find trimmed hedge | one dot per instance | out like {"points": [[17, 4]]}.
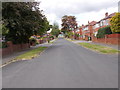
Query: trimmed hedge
{"points": [[103, 31]]}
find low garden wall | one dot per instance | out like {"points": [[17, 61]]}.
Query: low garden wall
{"points": [[109, 39], [14, 48]]}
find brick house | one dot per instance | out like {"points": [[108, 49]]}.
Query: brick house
{"points": [[86, 31], [90, 28], [102, 23]]}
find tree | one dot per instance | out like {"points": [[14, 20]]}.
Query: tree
{"points": [[55, 30], [69, 34], [115, 23], [69, 23], [23, 22]]}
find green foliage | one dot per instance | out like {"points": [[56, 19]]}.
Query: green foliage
{"points": [[52, 37], [115, 23], [69, 23], [3, 45], [55, 30], [69, 34], [99, 48], [23, 22], [4, 30], [33, 40], [77, 35], [30, 54], [103, 31]]}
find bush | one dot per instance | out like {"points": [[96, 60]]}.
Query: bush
{"points": [[52, 37], [4, 45], [69, 34], [77, 35], [103, 31], [33, 40]]}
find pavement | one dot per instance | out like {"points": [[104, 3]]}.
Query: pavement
{"points": [[9, 57], [63, 65]]}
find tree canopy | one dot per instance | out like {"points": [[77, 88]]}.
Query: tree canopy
{"points": [[23, 19], [69, 23], [115, 23], [55, 29]]}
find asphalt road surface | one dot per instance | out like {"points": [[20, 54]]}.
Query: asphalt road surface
{"points": [[63, 65]]}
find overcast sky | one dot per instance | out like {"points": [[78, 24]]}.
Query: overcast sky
{"points": [[83, 10]]}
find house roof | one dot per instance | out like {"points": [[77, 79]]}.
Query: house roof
{"points": [[83, 26], [109, 16], [92, 23]]}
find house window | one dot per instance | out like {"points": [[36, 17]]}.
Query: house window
{"points": [[95, 34], [94, 27], [101, 23], [86, 28], [97, 25], [107, 22]]}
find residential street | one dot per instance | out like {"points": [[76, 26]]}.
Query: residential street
{"points": [[63, 65]]}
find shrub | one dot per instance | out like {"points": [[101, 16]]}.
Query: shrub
{"points": [[69, 34], [33, 40], [4, 45], [77, 35], [103, 31], [52, 37]]}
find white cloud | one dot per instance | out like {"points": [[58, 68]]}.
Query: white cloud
{"points": [[83, 18], [84, 10]]}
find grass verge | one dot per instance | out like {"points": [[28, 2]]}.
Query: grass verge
{"points": [[30, 54], [69, 39], [99, 48], [52, 41]]}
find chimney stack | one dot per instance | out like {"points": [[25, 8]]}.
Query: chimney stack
{"points": [[106, 14], [88, 22]]}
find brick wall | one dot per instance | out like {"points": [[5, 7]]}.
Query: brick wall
{"points": [[13, 48], [109, 39], [113, 36]]}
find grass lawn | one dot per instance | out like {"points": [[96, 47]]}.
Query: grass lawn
{"points": [[30, 54], [99, 48]]}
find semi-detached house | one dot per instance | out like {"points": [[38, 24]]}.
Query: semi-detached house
{"points": [[91, 29], [102, 23]]}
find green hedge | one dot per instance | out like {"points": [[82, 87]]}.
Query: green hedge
{"points": [[103, 31], [3, 45]]}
